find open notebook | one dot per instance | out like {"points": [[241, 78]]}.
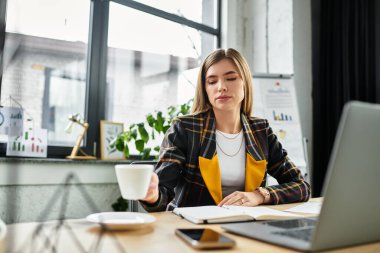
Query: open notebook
{"points": [[216, 214]]}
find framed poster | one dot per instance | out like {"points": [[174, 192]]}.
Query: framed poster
{"points": [[32, 143], [108, 132]]}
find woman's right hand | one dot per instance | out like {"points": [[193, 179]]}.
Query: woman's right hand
{"points": [[153, 192]]}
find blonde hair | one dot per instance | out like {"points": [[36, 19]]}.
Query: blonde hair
{"points": [[201, 102]]}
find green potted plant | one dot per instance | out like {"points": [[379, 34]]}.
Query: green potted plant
{"points": [[141, 134]]}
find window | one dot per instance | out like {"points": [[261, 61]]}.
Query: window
{"points": [[102, 59], [201, 11], [156, 65], [45, 56]]}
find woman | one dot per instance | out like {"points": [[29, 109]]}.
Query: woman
{"points": [[220, 155]]}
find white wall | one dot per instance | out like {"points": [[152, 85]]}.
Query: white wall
{"points": [[26, 203], [289, 47], [28, 185], [263, 31], [303, 68]]}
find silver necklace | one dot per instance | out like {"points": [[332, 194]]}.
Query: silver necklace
{"points": [[241, 144], [230, 138]]}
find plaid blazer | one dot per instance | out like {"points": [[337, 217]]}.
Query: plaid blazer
{"points": [[188, 167]]}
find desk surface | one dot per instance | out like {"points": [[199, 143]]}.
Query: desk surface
{"points": [[156, 238]]}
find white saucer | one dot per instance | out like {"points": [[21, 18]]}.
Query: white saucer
{"points": [[121, 220]]}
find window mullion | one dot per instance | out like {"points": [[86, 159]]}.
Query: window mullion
{"points": [[96, 71], [219, 22], [3, 6], [169, 16]]}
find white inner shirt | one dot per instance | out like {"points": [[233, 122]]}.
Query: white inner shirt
{"points": [[232, 169]]}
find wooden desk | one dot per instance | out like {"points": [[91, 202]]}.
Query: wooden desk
{"points": [[156, 238]]}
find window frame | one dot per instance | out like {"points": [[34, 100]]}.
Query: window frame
{"points": [[97, 64], [3, 7]]}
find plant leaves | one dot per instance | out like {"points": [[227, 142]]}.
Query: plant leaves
{"points": [[120, 143], [152, 135], [143, 133], [165, 128], [171, 111], [140, 145], [121, 205], [150, 119], [160, 122], [133, 134], [146, 153], [154, 124], [185, 109], [126, 150], [127, 136]]}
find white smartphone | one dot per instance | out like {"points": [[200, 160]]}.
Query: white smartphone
{"points": [[204, 238]]}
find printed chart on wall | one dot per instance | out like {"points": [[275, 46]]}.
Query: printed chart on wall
{"points": [[32, 143], [275, 100], [11, 121]]}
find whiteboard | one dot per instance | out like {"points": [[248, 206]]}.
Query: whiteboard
{"points": [[275, 100]]}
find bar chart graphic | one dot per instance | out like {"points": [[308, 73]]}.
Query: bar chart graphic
{"points": [[18, 145], [280, 116], [32, 143]]}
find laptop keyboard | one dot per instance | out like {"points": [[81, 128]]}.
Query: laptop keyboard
{"points": [[298, 228], [289, 224], [301, 234]]}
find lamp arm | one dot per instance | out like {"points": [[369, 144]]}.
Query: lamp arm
{"points": [[75, 150]]}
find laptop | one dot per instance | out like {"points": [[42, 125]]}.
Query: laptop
{"points": [[350, 213]]}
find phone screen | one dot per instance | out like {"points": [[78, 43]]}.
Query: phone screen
{"points": [[205, 238]]}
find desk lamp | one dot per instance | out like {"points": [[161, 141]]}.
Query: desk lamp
{"points": [[74, 153]]}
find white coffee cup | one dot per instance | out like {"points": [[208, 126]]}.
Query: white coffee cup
{"points": [[133, 179]]}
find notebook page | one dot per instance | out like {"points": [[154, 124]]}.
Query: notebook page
{"points": [[308, 207], [205, 212], [258, 211]]}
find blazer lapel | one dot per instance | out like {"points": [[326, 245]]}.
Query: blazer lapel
{"points": [[211, 175], [255, 166], [254, 173], [208, 161], [251, 144], [208, 145]]}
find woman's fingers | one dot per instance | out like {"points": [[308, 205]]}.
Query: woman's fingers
{"points": [[153, 182], [232, 199], [224, 201], [152, 193], [240, 199]]}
